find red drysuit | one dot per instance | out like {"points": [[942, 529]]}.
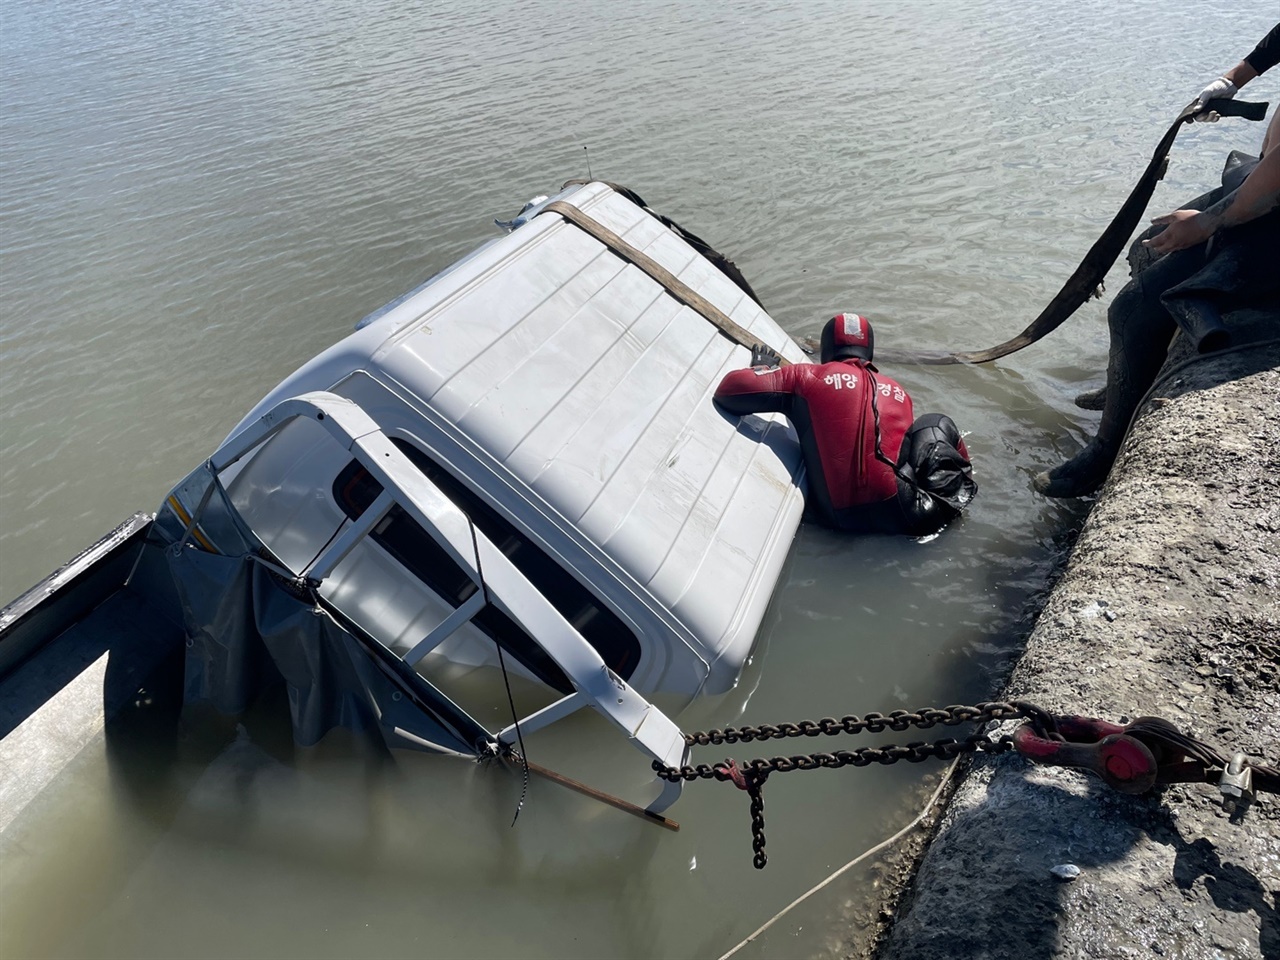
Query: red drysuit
{"points": [[830, 406]]}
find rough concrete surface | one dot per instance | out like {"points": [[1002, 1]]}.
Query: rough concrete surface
{"points": [[1169, 606]]}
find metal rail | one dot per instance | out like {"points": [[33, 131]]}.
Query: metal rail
{"points": [[497, 579]]}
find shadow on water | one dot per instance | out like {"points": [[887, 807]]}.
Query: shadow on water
{"points": [[212, 781], [349, 813]]}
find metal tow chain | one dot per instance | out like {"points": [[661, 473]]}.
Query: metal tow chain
{"points": [[752, 775], [1131, 758]]}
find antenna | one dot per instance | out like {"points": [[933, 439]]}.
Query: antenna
{"points": [[587, 154]]}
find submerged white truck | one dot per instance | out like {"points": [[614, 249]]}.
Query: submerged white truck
{"points": [[515, 470]]}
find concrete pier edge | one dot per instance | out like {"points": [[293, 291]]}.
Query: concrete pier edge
{"points": [[1169, 606]]}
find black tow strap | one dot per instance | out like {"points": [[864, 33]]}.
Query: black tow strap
{"points": [[1093, 268]]}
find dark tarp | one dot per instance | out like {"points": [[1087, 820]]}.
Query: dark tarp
{"points": [[247, 630]]}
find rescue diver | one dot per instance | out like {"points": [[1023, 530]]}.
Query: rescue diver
{"points": [[1216, 254], [871, 468]]}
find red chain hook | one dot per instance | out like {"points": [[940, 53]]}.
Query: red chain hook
{"points": [[1122, 755]]}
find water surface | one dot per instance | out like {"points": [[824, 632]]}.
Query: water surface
{"points": [[196, 198]]}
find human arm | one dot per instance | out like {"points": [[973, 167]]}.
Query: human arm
{"points": [[1237, 77], [1258, 195], [1262, 58], [756, 390]]}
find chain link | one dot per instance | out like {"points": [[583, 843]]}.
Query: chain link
{"points": [[1207, 762], [755, 782], [897, 720], [752, 775]]}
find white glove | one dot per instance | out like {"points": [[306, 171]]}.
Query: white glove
{"points": [[1220, 89]]}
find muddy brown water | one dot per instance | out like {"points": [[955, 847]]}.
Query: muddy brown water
{"points": [[197, 198]]}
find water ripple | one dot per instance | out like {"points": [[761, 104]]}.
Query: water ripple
{"points": [[197, 198]]}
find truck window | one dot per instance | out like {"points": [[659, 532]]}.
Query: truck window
{"points": [[401, 536]]}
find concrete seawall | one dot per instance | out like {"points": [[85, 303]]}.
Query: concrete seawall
{"points": [[1169, 606]]}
